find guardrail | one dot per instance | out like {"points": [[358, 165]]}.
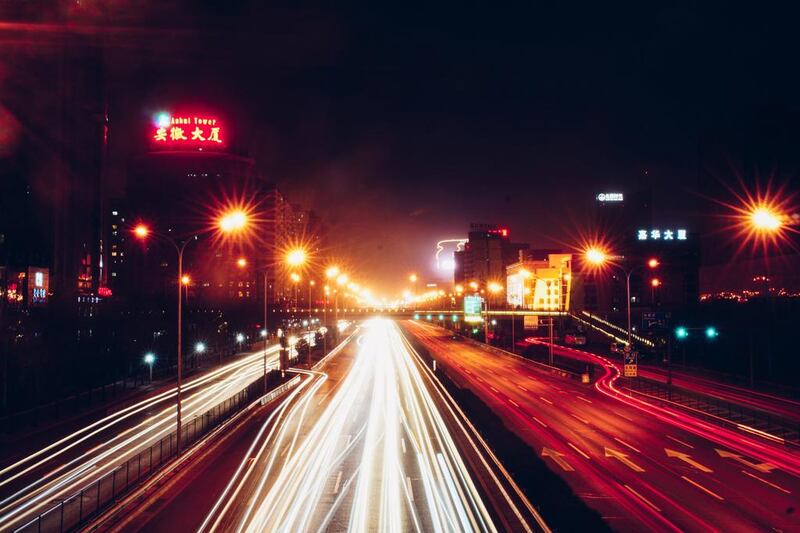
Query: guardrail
{"points": [[69, 513], [753, 421]]}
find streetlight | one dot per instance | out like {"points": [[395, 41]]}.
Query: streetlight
{"points": [[240, 338], [413, 279], [341, 280], [295, 277], [597, 257], [311, 284], [296, 257], [765, 219], [149, 359], [228, 222], [232, 221], [494, 288], [332, 272], [242, 263], [200, 347]]}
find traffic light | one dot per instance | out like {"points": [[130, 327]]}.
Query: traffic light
{"points": [[416, 316], [681, 332], [653, 262], [711, 332]]}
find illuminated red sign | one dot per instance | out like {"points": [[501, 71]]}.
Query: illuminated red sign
{"points": [[195, 131]]}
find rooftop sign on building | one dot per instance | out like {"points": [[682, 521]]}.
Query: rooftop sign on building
{"points": [[610, 197], [188, 131]]}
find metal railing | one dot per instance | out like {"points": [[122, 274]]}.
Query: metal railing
{"points": [[71, 512], [714, 409]]}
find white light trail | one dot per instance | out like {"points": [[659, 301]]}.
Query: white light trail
{"points": [[382, 401], [116, 438]]}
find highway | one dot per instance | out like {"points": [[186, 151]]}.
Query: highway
{"points": [[786, 408], [641, 467], [367, 442], [30, 482]]}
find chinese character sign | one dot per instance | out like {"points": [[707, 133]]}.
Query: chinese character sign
{"points": [[187, 131], [656, 234]]}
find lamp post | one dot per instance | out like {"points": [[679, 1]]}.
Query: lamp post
{"points": [[143, 232], [598, 257], [149, 359], [311, 284], [242, 263], [492, 288], [332, 272], [413, 279], [229, 222], [200, 348], [341, 281]]}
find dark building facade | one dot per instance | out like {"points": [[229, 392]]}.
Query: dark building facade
{"points": [[629, 231], [486, 255]]}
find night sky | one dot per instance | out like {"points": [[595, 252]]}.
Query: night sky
{"points": [[401, 126]]}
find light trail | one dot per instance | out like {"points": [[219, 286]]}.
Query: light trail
{"points": [[717, 433], [74, 461], [381, 402]]}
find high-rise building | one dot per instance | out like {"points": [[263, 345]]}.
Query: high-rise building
{"points": [[486, 255]]}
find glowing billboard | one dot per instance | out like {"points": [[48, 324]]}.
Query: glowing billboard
{"points": [[473, 305], [187, 131]]}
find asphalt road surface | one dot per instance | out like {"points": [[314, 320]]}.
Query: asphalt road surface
{"points": [[643, 468], [366, 442]]}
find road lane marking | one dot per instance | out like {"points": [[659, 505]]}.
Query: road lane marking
{"points": [[584, 399], [645, 500], [522, 388], [680, 442], [579, 418], [410, 489], [495, 390], [761, 467], [686, 458], [767, 482], [707, 491], [629, 419], [622, 458], [338, 482], [545, 400], [403, 442], [578, 450], [512, 402], [557, 458], [628, 445], [539, 421]]}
